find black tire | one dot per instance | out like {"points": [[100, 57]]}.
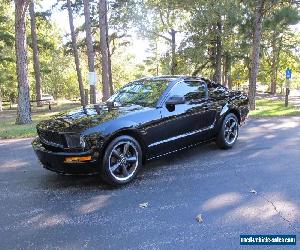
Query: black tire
{"points": [[119, 165], [229, 131]]}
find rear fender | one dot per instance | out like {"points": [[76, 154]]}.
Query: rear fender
{"points": [[227, 108]]}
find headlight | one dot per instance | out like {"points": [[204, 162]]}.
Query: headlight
{"points": [[73, 140], [93, 140]]}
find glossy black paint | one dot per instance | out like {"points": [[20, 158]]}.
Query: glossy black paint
{"points": [[160, 129]]}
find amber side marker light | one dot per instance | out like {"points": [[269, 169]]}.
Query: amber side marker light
{"points": [[78, 159]]}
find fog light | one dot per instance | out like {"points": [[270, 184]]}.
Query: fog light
{"points": [[78, 159]]}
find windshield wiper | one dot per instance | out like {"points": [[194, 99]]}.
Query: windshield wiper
{"points": [[141, 103]]}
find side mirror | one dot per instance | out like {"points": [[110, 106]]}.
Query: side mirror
{"points": [[174, 100]]}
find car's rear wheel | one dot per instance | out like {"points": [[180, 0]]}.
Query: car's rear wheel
{"points": [[229, 132], [121, 161]]}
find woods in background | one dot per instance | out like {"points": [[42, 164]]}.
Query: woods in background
{"points": [[232, 42]]}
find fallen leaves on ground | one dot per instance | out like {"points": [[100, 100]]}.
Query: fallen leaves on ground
{"points": [[143, 205], [199, 218]]}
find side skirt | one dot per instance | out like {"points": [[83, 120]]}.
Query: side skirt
{"points": [[183, 148]]}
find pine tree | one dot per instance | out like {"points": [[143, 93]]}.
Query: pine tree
{"points": [[36, 62], [75, 52], [24, 112]]}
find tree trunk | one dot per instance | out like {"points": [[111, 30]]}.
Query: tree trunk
{"points": [[218, 57], [104, 48], [1, 104], [212, 57], [224, 83], [75, 52], [90, 49], [255, 52], [156, 58], [36, 62], [229, 79], [111, 86], [273, 73], [227, 71], [276, 47], [24, 112], [173, 59]]}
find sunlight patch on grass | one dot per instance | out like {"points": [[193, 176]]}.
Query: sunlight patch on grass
{"points": [[271, 108]]}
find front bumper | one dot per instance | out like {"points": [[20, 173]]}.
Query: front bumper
{"points": [[244, 115], [55, 161]]}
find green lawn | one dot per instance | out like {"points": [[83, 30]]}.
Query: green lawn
{"points": [[9, 130], [271, 108]]}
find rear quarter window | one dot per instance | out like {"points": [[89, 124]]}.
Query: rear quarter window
{"points": [[217, 92]]}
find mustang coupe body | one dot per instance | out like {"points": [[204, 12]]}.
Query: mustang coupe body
{"points": [[145, 119]]}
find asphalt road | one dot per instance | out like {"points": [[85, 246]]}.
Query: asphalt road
{"points": [[43, 210]]}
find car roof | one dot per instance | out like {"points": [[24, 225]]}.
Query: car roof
{"points": [[176, 78], [166, 77]]}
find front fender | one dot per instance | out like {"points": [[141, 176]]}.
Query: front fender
{"points": [[130, 131]]}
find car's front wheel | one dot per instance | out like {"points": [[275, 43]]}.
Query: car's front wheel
{"points": [[121, 161], [229, 132]]}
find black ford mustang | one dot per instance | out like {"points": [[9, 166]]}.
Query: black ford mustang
{"points": [[146, 119]]}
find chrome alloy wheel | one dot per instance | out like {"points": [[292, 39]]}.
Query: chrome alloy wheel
{"points": [[123, 160], [231, 130]]}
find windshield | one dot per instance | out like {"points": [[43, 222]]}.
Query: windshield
{"points": [[145, 93]]}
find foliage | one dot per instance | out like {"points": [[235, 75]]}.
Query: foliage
{"points": [[195, 23], [8, 81]]}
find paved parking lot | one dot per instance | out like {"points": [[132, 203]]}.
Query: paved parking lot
{"points": [[43, 210]]}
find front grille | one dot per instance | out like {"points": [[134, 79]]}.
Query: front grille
{"points": [[50, 137]]}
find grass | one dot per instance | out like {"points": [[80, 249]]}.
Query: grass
{"points": [[9, 130], [273, 108]]}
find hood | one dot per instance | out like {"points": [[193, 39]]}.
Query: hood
{"points": [[82, 118]]}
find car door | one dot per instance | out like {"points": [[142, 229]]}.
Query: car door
{"points": [[189, 122]]}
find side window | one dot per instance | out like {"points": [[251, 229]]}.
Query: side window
{"points": [[192, 91]]}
